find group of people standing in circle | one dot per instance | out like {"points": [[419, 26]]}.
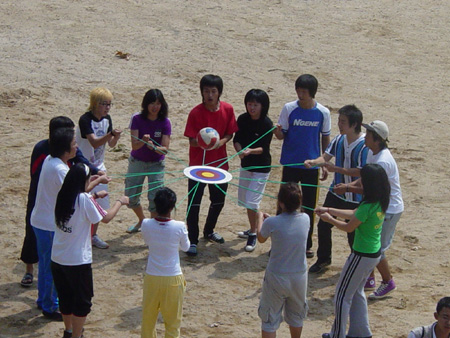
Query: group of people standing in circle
{"points": [[364, 200]]}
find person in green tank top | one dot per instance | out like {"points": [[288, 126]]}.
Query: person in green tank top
{"points": [[366, 221]]}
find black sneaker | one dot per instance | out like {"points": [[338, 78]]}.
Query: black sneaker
{"points": [[215, 237], [67, 334], [251, 243], [319, 266], [243, 234], [56, 316]]}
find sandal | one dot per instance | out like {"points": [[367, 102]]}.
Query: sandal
{"points": [[134, 228], [27, 280]]}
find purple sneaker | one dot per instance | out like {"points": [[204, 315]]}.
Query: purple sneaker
{"points": [[370, 284], [383, 290]]}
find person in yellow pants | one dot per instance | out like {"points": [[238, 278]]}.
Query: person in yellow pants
{"points": [[164, 283]]}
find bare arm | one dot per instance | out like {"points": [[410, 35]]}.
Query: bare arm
{"points": [[164, 147], [278, 132], [326, 139], [353, 172], [115, 137], [259, 221], [354, 187], [123, 200], [224, 140], [136, 143], [193, 142], [96, 180], [111, 138], [318, 161], [349, 226]]}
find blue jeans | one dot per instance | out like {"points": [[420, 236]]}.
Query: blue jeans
{"points": [[47, 295]]}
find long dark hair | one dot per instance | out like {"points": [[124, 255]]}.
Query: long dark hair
{"points": [[151, 96], [74, 184], [376, 185], [291, 196]]}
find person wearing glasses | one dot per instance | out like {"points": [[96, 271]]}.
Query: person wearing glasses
{"points": [[94, 131]]}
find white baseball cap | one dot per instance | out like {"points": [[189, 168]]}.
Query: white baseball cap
{"points": [[378, 127]]}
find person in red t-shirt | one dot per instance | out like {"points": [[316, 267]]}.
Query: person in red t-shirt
{"points": [[218, 115]]}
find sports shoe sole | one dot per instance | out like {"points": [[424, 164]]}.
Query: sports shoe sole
{"points": [[372, 296]]}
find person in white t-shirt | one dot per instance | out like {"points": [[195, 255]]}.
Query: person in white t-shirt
{"points": [[71, 255], [95, 130], [164, 283], [63, 147], [376, 140]]}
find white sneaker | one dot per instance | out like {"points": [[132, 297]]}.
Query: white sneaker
{"points": [[99, 243], [251, 243]]}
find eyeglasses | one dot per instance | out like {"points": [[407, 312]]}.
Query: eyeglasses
{"points": [[106, 104]]}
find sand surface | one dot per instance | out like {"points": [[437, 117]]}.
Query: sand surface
{"points": [[390, 58]]}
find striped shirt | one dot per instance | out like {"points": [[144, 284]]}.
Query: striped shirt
{"points": [[347, 156]]}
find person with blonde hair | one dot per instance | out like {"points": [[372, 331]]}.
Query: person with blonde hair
{"points": [[94, 131]]}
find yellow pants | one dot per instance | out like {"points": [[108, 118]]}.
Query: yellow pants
{"points": [[162, 294]]}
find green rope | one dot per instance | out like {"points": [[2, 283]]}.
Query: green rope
{"points": [[233, 156], [192, 200], [166, 153], [145, 174]]}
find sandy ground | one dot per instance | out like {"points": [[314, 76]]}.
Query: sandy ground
{"points": [[390, 58]]}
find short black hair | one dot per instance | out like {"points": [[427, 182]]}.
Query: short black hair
{"points": [[165, 200], [211, 80], [443, 302], [260, 96], [290, 195], [354, 115], [309, 82], [61, 141], [60, 122], [151, 96]]}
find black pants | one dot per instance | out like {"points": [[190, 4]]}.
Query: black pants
{"points": [[29, 253], [310, 193], [75, 288], [217, 198], [324, 228]]}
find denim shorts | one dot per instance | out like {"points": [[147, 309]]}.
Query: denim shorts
{"points": [[388, 230]]}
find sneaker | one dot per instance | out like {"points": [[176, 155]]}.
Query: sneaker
{"points": [[309, 253], [243, 234], [99, 243], [319, 266], [326, 335], [56, 316], [370, 284], [251, 243], [67, 334], [192, 251], [383, 290], [215, 237]]}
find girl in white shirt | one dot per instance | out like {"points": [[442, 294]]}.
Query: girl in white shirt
{"points": [[164, 283], [71, 257]]}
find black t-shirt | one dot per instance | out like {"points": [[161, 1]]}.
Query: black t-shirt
{"points": [[249, 131]]}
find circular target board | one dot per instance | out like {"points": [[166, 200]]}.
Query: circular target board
{"points": [[208, 175]]}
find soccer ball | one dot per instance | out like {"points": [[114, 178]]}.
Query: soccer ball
{"points": [[208, 138]]}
